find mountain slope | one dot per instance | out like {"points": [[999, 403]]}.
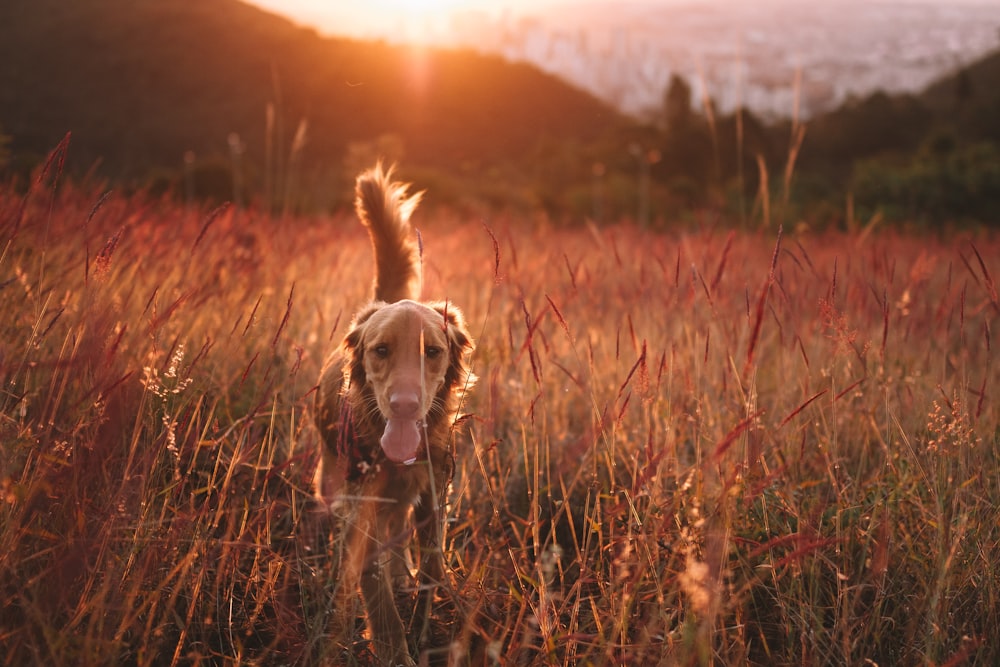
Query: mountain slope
{"points": [[139, 82], [970, 99]]}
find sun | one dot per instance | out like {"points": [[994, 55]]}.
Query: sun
{"points": [[423, 18], [416, 21], [425, 8]]}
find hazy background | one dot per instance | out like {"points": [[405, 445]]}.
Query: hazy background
{"points": [[656, 111], [752, 52]]}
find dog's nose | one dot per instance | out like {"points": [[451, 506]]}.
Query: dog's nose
{"points": [[404, 405]]}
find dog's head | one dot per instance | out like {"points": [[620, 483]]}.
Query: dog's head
{"points": [[410, 356]]}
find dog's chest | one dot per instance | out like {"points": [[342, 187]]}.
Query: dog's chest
{"points": [[395, 483]]}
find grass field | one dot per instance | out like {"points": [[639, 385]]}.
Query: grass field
{"points": [[701, 447]]}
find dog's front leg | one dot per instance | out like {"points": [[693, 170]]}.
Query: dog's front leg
{"points": [[429, 527], [430, 559], [386, 625], [399, 535], [362, 563], [373, 548]]}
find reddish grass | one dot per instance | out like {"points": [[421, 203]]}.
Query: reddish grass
{"points": [[702, 447]]}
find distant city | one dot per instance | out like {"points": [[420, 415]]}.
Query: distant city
{"points": [[776, 57]]}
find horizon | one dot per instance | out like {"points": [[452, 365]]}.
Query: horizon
{"points": [[779, 57], [432, 22]]}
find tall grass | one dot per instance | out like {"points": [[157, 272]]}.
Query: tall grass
{"points": [[686, 449]]}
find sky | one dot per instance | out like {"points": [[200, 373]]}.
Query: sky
{"points": [[625, 53], [373, 18], [429, 20], [417, 20]]}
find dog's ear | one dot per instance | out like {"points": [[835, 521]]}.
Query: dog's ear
{"points": [[455, 328], [353, 345], [459, 343]]}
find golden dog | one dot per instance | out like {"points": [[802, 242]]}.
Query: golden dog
{"points": [[387, 403]]}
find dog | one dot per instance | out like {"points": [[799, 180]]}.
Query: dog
{"points": [[386, 406]]}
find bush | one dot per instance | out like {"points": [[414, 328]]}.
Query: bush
{"points": [[944, 183]]}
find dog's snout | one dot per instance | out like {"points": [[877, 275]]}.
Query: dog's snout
{"points": [[404, 405]]}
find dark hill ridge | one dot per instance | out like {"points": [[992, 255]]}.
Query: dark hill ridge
{"points": [[970, 98], [139, 82]]}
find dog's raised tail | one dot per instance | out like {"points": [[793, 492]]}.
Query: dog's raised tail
{"points": [[384, 207]]}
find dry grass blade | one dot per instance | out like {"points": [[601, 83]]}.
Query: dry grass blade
{"points": [[651, 500]]}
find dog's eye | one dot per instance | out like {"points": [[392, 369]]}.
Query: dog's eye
{"points": [[381, 351], [432, 351]]}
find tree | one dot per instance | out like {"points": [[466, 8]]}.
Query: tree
{"points": [[685, 160], [677, 112]]}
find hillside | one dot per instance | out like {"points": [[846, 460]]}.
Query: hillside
{"points": [[140, 82], [965, 103], [970, 99]]}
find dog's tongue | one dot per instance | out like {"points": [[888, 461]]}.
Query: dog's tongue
{"points": [[401, 440]]}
